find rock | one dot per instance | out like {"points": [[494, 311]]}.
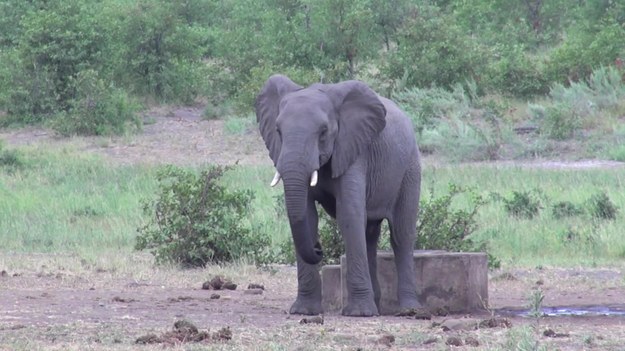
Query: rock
{"points": [[312, 320], [184, 326], [253, 292], [215, 296], [386, 339], [223, 334], [552, 334], [459, 324], [256, 286], [471, 341], [454, 341], [495, 322], [430, 340]]}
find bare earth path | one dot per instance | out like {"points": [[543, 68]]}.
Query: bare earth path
{"points": [[64, 303]]}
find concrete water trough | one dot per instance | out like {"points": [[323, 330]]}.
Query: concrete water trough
{"points": [[456, 282]]}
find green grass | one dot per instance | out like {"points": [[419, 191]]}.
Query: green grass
{"points": [[68, 201]]}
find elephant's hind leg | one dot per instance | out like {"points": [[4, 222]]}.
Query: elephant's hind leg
{"points": [[403, 233]]}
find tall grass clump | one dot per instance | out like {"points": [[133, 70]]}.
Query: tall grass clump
{"points": [[595, 100], [454, 123]]}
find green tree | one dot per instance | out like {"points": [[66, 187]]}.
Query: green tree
{"points": [[58, 41], [433, 50]]}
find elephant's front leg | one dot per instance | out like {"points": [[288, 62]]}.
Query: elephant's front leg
{"points": [[308, 299], [350, 215]]}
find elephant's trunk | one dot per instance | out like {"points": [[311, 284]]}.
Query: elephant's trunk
{"points": [[296, 185]]}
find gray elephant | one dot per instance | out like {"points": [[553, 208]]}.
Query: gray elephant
{"points": [[355, 153]]}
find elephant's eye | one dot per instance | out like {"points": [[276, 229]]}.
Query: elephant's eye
{"points": [[323, 131], [279, 132]]}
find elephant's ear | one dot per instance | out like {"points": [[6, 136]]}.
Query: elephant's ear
{"points": [[362, 116], [267, 109]]}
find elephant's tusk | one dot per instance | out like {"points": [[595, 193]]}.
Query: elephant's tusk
{"points": [[313, 179], [276, 179]]}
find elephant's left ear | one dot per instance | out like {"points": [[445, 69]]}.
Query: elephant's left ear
{"points": [[362, 116]]}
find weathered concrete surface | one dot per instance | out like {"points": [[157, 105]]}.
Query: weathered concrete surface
{"points": [[455, 282], [330, 288]]}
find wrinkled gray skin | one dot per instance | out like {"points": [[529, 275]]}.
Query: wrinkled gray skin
{"points": [[364, 149]]}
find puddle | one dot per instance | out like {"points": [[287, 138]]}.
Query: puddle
{"points": [[569, 311]]}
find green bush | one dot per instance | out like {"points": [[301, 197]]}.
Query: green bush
{"points": [[59, 40], [600, 206], [523, 204], [565, 209], [432, 50], [195, 221], [98, 109], [516, 74], [560, 122], [163, 52], [10, 160]]}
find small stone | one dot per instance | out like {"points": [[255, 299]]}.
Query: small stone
{"points": [[459, 324], [229, 286], [223, 334], [312, 320], [386, 339], [148, 339], [430, 340], [256, 286], [540, 282], [184, 326], [495, 322], [454, 341], [552, 334], [471, 341], [416, 313], [253, 292], [4, 273], [215, 296]]}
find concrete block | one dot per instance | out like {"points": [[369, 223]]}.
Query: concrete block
{"points": [[456, 282], [330, 288]]}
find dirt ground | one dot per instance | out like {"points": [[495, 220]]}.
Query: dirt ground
{"points": [[67, 304]]}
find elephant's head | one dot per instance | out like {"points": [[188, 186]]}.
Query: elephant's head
{"points": [[307, 128]]}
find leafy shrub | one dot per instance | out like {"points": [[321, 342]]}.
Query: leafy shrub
{"points": [[585, 48], [59, 40], [163, 54], [440, 227], [330, 238], [432, 50], [523, 204], [516, 74], [565, 209], [195, 221], [560, 122], [600, 206], [99, 109], [10, 160]]}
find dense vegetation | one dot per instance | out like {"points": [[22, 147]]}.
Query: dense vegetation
{"points": [[82, 65]]}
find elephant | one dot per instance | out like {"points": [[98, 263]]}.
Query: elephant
{"points": [[354, 153]]}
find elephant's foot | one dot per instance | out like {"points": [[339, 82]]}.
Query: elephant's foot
{"points": [[360, 308], [410, 307], [309, 307]]}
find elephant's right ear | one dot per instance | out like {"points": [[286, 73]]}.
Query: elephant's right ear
{"points": [[267, 109]]}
